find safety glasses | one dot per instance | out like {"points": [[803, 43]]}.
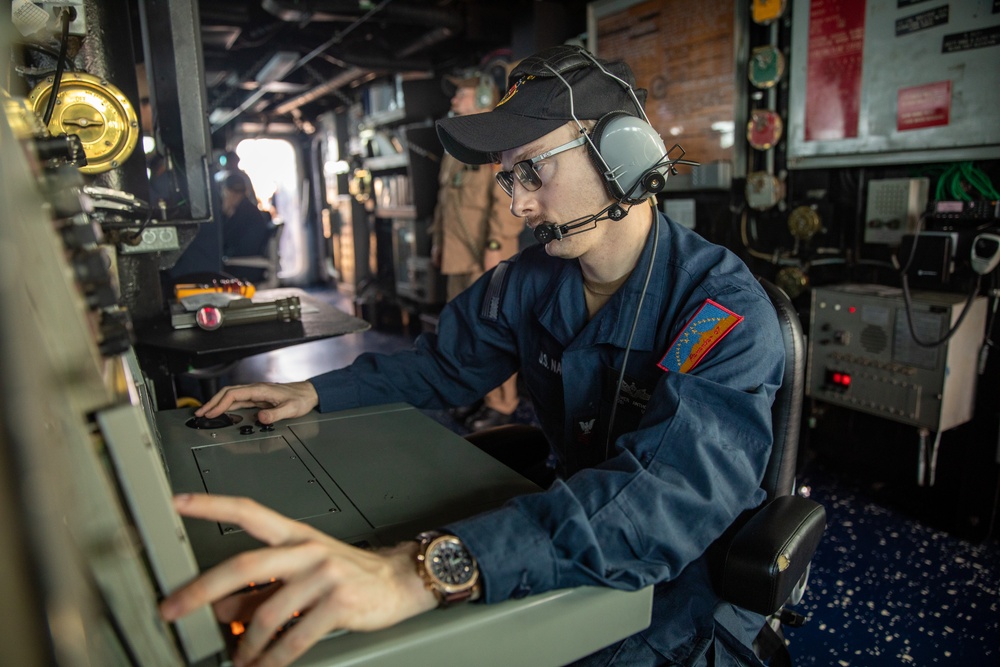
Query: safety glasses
{"points": [[525, 172]]}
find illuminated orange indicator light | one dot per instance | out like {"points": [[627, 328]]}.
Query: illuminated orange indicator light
{"points": [[237, 628]]}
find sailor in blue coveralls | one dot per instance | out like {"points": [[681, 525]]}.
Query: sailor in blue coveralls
{"points": [[620, 321]]}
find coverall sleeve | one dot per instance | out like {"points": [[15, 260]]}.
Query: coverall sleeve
{"points": [[457, 366], [670, 489]]}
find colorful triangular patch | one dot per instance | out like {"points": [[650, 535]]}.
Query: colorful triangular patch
{"points": [[709, 325]]}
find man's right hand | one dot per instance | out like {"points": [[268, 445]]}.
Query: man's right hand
{"points": [[276, 401]]}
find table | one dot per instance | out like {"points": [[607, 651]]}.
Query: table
{"points": [[164, 352], [376, 476]]}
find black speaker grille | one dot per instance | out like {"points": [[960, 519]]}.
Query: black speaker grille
{"points": [[874, 339]]}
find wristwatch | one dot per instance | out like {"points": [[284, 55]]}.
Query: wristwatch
{"points": [[447, 568], [492, 244]]}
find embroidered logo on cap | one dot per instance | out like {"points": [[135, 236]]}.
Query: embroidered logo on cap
{"points": [[515, 87], [708, 326]]}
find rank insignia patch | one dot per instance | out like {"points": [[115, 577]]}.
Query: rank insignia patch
{"points": [[708, 326]]}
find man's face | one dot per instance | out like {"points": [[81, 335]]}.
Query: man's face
{"points": [[571, 189], [463, 102]]}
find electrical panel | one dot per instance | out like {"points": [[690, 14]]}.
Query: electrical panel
{"points": [[875, 83], [894, 208], [105, 545], [863, 356]]}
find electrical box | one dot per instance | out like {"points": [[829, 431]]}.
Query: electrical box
{"points": [[863, 356], [894, 208], [875, 83]]}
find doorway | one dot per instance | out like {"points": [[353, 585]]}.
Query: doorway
{"points": [[273, 168]]}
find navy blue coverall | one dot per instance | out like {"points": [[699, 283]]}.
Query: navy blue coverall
{"points": [[691, 435]]}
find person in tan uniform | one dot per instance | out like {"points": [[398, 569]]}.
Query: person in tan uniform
{"points": [[473, 231]]}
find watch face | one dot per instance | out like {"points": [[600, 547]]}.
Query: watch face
{"points": [[450, 563]]}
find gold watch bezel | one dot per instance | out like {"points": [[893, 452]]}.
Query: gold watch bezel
{"points": [[446, 593]]}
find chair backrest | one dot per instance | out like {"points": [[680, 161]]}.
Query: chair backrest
{"points": [[262, 269], [786, 412]]}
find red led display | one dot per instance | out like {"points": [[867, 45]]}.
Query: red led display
{"points": [[838, 379]]}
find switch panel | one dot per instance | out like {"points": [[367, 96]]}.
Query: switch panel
{"points": [[863, 356]]}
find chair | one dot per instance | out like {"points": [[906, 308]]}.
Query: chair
{"points": [[265, 265], [762, 562]]}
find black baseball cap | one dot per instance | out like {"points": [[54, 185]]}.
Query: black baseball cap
{"points": [[538, 101]]}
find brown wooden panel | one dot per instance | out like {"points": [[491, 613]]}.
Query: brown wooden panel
{"points": [[683, 54]]}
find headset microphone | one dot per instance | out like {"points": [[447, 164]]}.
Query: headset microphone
{"points": [[547, 231]]}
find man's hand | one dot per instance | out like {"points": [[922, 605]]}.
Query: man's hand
{"points": [[277, 401], [329, 585]]}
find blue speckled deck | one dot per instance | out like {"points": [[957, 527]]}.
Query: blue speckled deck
{"points": [[887, 590]]}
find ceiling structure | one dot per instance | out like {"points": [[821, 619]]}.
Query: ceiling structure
{"points": [[282, 61]]}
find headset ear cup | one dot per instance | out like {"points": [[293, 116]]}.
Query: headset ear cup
{"points": [[484, 93], [596, 156], [631, 151]]}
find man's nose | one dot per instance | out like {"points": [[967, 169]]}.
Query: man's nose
{"points": [[520, 199]]}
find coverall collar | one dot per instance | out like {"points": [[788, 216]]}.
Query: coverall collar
{"points": [[565, 316]]}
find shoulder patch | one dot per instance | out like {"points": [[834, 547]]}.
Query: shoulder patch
{"points": [[709, 325]]}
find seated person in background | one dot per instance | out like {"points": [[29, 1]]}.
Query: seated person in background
{"points": [[245, 228], [655, 460]]}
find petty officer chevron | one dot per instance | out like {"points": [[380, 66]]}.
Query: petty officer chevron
{"points": [[651, 357]]}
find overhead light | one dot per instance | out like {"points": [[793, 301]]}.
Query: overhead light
{"points": [[280, 64]]}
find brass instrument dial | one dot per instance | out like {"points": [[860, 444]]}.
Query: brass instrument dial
{"points": [[767, 66], [792, 280], [97, 112], [764, 129], [804, 223]]}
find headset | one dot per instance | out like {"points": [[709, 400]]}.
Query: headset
{"points": [[624, 148], [485, 92]]}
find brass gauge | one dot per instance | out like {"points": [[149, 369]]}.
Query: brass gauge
{"points": [[97, 112], [764, 129], [763, 190], [804, 222], [767, 66], [792, 280], [764, 12]]}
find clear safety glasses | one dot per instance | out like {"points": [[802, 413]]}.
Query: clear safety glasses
{"points": [[525, 172]]}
